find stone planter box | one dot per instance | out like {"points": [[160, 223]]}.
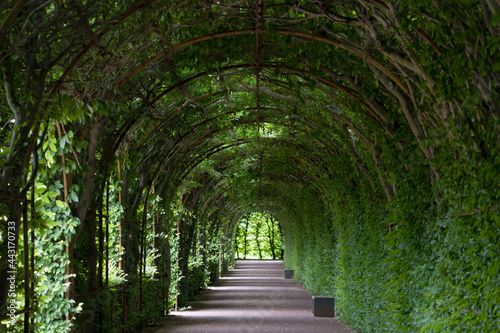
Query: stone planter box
{"points": [[323, 306], [288, 273]]}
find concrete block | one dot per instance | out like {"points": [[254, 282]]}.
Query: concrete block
{"points": [[288, 273], [323, 306]]}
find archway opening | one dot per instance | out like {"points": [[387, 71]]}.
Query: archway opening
{"points": [[259, 236]]}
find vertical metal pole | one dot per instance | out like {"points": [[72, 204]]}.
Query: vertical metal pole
{"points": [[221, 262], [124, 318], [111, 308], [142, 262], [107, 234], [142, 250], [33, 247], [99, 269], [154, 220], [121, 265], [140, 271], [178, 259], [26, 269]]}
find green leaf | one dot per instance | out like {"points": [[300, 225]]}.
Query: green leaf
{"points": [[61, 204], [496, 19], [44, 299], [62, 142], [45, 199], [496, 67]]}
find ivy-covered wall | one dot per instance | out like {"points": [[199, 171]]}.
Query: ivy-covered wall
{"points": [[425, 262]]}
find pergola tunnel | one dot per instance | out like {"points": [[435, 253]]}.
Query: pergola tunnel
{"points": [[146, 145]]}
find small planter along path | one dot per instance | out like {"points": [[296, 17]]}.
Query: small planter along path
{"points": [[253, 297]]}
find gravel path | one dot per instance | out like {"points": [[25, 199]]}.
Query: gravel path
{"points": [[254, 297]]}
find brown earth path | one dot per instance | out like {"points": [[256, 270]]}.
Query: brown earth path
{"points": [[253, 297]]}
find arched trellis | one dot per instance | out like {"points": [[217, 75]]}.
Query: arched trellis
{"points": [[216, 148], [193, 128], [413, 123], [351, 124], [309, 162], [358, 53], [326, 81], [211, 151], [411, 73], [199, 142], [284, 203], [214, 190], [294, 167]]}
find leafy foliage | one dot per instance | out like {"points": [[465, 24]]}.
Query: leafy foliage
{"points": [[258, 236]]}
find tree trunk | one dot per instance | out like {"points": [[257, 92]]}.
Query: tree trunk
{"points": [[245, 234], [270, 226], [257, 234]]}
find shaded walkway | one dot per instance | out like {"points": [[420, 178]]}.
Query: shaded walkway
{"points": [[254, 297]]}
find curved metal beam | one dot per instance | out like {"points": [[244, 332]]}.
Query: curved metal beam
{"points": [[310, 36]]}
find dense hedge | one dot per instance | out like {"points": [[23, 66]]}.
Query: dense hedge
{"points": [[425, 262]]}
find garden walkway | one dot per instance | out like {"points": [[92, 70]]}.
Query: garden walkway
{"points": [[254, 297]]}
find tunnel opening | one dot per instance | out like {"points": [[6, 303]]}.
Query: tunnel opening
{"points": [[259, 236]]}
